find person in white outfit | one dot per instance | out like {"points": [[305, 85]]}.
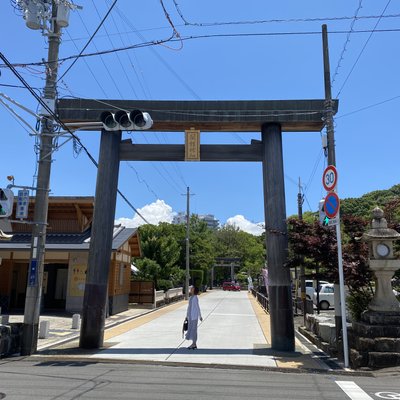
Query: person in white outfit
{"points": [[193, 315]]}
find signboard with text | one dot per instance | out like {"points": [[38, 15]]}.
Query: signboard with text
{"points": [[192, 145]]}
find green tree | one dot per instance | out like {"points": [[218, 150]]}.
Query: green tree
{"points": [[230, 241], [148, 269]]}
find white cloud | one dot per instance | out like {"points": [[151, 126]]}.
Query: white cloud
{"points": [[156, 212], [245, 225]]}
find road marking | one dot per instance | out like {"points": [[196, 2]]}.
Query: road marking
{"points": [[353, 390], [388, 395]]}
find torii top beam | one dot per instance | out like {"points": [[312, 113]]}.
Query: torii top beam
{"points": [[207, 116]]}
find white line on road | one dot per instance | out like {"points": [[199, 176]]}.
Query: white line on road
{"points": [[353, 390]]}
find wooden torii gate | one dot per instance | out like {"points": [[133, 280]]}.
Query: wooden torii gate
{"points": [[270, 117]]}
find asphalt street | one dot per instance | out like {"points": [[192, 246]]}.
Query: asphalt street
{"points": [[67, 380]]}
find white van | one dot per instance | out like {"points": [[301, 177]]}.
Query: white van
{"points": [[310, 289]]}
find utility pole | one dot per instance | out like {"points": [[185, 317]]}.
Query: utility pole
{"points": [[36, 263], [300, 200], [328, 99], [187, 243], [339, 298]]}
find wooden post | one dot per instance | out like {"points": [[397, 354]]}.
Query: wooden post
{"points": [[95, 298], [279, 286]]}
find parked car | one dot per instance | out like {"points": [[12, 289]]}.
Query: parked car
{"points": [[231, 286], [326, 296], [310, 290]]}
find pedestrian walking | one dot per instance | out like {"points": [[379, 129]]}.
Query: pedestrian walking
{"points": [[193, 315]]}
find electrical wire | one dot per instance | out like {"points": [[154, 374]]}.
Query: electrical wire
{"points": [[128, 79], [341, 57], [141, 180], [89, 68], [199, 37], [157, 55], [25, 125], [362, 50], [57, 119], [103, 62], [313, 172], [367, 107], [89, 41], [143, 85], [17, 86], [268, 21]]}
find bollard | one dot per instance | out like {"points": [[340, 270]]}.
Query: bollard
{"points": [[5, 319], [44, 328], [76, 321]]}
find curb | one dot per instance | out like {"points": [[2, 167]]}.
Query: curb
{"points": [[84, 360]]}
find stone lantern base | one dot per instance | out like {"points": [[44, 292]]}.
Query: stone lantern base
{"points": [[375, 340]]}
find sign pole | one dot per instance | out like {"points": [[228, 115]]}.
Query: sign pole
{"points": [[342, 297]]}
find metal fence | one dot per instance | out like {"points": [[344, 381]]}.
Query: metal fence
{"points": [[262, 299]]}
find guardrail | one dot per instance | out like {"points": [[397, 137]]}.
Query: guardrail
{"points": [[173, 294], [262, 299], [159, 298]]}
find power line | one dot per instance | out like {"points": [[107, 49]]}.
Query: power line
{"points": [[140, 180], [198, 37], [313, 172], [267, 21], [117, 54], [90, 39], [368, 107], [17, 86], [88, 67], [161, 59], [341, 57], [143, 85], [362, 50], [103, 62], [57, 119]]}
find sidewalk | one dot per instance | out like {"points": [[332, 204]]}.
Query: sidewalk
{"points": [[235, 333], [61, 326]]}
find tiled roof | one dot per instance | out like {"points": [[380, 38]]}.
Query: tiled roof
{"points": [[53, 238], [66, 241]]}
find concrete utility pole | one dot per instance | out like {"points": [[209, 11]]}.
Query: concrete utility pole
{"points": [[300, 200], [36, 264], [187, 243], [339, 298], [328, 99]]}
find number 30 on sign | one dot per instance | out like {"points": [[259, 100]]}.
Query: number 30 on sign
{"points": [[329, 178]]}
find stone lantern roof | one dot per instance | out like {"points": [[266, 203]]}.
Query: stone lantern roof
{"points": [[379, 230]]}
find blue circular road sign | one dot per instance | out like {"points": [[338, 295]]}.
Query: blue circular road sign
{"points": [[331, 205]]}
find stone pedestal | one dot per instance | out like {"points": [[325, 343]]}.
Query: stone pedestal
{"points": [[384, 299], [375, 340]]}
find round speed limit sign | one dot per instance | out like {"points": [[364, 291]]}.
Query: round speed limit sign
{"points": [[329, 178]]}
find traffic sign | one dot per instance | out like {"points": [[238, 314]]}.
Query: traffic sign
{"points": [[329, 178], [331, 205], [333, 221], [22, 204]]}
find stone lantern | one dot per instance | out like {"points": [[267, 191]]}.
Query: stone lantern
{"points": [[375, 339], [382, 262]]}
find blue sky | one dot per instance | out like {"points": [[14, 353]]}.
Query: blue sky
{"points": [[226, 68]]}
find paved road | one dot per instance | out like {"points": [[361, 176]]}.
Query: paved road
{"points": [[230, 332], [27, 379]]}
